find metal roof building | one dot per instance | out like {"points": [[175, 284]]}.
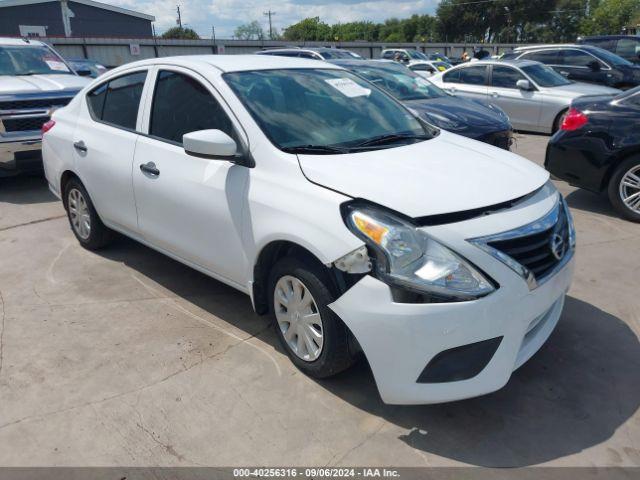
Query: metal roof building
{"points": [[71, 18]]}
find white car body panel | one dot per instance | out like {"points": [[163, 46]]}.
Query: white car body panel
{"points": [[218, 217], [419, 179]]}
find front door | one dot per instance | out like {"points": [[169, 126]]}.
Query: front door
{"points": [[522, 106], [189, 206]]}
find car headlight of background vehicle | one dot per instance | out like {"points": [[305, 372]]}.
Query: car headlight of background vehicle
{"points": [[407, 257]]}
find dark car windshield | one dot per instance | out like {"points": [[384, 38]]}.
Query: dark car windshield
{"points": [[610, 58], [317, 109], [545, 76], [30, 60], [399, 81]]}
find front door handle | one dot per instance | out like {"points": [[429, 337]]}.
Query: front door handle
{"points": [[566, 74], [80, 146], [150, 168], [495, 94]]}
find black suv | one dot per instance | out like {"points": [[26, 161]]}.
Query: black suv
{"points": [[625, 46], [584, 63]]}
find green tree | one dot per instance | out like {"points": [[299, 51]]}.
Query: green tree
{"points": [[181, 33], [249, 31], [309, 29], [609, 16]]}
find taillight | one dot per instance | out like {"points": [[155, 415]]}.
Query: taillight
{"points": [[46, 126], [573, 120]]}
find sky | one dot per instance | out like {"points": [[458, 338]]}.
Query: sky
{"points": [[226, 15]]}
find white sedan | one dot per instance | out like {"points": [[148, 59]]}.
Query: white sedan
{"points": [[356, 226]]}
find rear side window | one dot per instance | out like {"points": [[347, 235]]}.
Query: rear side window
{"points": [[548, 57], [473, 75], [452, 77], [606, 43], [505, 77], [117, 101], [388, 54], [628, 48], [181, 104]]}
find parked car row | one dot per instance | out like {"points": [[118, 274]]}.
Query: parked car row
{"points": [[344, 216]]}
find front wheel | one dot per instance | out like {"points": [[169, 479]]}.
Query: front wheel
{"points": [[624, 189], [314, 337]]}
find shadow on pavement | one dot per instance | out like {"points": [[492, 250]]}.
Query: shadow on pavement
{"points": [[25, 190], [591, 202], [572, 395]]}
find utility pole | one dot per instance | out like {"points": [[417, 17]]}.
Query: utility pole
{"points": [[269, 14], [179, 20], [213, 34]]}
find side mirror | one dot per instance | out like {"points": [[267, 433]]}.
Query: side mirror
{"points": [[212, 144], [524, 85], [594, 66], [85, 72]]}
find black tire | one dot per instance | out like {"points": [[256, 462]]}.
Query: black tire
{"points": [[99, 235], [614, 189], [335, 354], [558, 121]]}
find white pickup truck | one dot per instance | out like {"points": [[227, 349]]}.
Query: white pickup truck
{"points": [[34, 81]]}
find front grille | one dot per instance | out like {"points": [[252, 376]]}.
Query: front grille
{"points": [[539, 252], [43, 103], [23, 124]]}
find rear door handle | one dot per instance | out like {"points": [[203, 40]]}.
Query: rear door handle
{"points": [[150, 168], [80, 146], [495, 94]]}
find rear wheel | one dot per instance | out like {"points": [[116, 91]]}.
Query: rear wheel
{"points": [[83, 218], [624, 189], [558, 121], [314, 337]]}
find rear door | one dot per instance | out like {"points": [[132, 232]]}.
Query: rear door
{"points": [[468, 81], [190, 206], [104, 144], [522, 106], [577, 65]]}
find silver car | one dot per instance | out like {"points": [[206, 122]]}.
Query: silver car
{"points": [[533, 95]]}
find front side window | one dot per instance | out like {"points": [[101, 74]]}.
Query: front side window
{"points": [[402, 84], [505, 77], [181, 104], [576, 58], [388, 54], [117, 101], [473, 75], [324, 110], [545, 76], [28, 59]]}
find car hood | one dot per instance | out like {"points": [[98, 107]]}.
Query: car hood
{"points": [[459, 115], [41, 83], [577, 89], [446, 174]]}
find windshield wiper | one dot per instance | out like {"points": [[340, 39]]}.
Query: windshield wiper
{"points": [[391, 138], [315, 149]]}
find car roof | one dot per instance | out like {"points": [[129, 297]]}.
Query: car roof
{"points": [[19, 41], [343, 62], [303, 49], [236, 63], [560, 45], [612, 37]]}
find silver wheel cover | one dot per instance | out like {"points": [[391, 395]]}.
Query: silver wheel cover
{"points": [[79, 213], [298, 318], [629, 189]]}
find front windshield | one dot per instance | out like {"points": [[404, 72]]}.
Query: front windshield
{"points": [[416, 55], [30, 60], [399, 82], [545, 76], [610, 58], [322, 108]]}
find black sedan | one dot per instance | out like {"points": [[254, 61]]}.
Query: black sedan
{"points": [[598, 148], [473, 119]]}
